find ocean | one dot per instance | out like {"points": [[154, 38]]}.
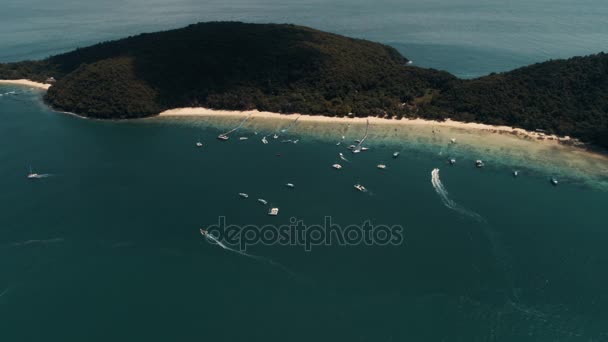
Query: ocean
{"points": [[107, 245]]}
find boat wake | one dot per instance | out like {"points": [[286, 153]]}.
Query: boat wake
{"points": [[443, 194], [213, 240]]}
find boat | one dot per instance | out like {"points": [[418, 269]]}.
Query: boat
{"points": [[554, 181], [244, 195], [453, 141], [223, 137], [273, 212], [343, 137], [337, 166], [381, 166], [360, 187], [199, 144], [364, 148], [276, 136], [452, 161], [243, 138], [264, 140], [352, 147], [515, 173], [338, 143], [356, 150], [296, 141], [263, 201], [204, 232], [32, 175], [479, 163], [290, 185], [396, 154]]}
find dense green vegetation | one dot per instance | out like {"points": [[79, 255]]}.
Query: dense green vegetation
{"points": [[287, 68]]}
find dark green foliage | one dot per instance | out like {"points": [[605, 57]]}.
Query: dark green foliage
{"points": [[287, 69], [567, 97]]}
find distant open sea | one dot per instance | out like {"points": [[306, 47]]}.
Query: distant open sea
{"points": [[107, 246]]}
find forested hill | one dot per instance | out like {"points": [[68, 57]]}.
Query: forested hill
{"points": [[279, 68], [287, 68], [567, 97]]}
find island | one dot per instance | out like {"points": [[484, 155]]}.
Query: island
{"points": [[283, 68]]}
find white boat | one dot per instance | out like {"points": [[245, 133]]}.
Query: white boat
{"points": [[223, 137], [452, 161], [296, 141], [290, 185], [554, 181], [244, 195], [276, 136], [352, 147], [338, 143], [343, 137], [32, 175], [243, 138], [515, 173], [199, 144], [396, 154], [264, 140], [453, 141], [364, 148], [273, 212], [360, 187], [381, 166], [337, 166], [356, 150], [479, 163], [263, 201]]}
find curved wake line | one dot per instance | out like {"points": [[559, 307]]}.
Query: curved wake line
{"points": [[443, 194], [269, 261]]}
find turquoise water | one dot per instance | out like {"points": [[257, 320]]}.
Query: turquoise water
{"points": [[107, 247]]}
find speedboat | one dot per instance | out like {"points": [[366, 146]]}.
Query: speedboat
{"points": [[273, 212], [479, 163], [244, 195], [360, 187], [223, 137], [263, 201], [396, 154], [199, 144], [337, 166], [452, 161], [381, 166], [554, 181], [290, 185]]}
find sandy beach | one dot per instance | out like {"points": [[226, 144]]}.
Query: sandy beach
{"points": [[28, 83], [522, 133]]}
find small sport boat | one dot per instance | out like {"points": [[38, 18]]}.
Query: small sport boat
{"points": [[360, 187]]}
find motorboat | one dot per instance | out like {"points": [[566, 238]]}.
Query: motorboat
{"points": [[244, 195], [360, 187], [381, 166], [223, 137], [290, 185], [396, 154], [337, 166], [479, 163]]}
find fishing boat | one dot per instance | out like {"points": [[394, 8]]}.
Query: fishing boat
{"points": [[244, 195], [273, 212], [263, 201], [396, 154], [290, 185], [337, 166], [479, 163], [360, 187], [381, 166]]}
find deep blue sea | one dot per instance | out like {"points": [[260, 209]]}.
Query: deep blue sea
{"points": [[106, 247]]}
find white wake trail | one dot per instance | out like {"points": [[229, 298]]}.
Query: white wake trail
{"points": [[269, 261], [443, 195]]}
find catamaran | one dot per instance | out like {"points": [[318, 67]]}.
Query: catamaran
{"points": [[273, 212]]}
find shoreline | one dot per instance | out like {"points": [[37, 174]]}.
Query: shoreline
{"points": [[29, 83], [449, 123]]}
